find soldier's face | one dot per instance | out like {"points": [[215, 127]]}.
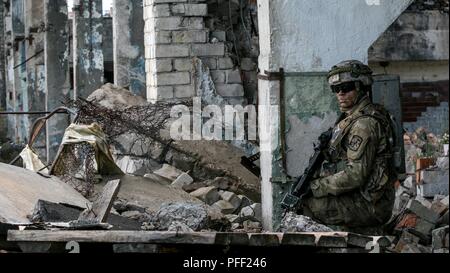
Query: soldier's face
{"points": [[346, 100]]}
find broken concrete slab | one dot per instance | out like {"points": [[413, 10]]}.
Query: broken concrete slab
{"points": [[439, 207], [21, 189], [430, 190], [209, 195], [421, 211], [225, 207], [114, 97], [148, 193], [245, 201], [182, 180], [299, 223], [251, 226], [406, 238], [100, 209], [169, 172], [252, 212], [232, 198], [135, 165], [194, 186], [440, 238], [442, 163], [434, 176], [423, 229], [48, 212]]}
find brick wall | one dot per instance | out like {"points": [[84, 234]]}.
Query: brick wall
{"points": [[426, 105], [175, 33]]}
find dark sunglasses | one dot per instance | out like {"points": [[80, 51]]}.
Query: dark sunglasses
{"points": [[344, 87]]}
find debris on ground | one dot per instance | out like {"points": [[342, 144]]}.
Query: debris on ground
{"points": [[300, 223], [420, 218]]}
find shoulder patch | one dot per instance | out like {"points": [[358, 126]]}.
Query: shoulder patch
{"points": [[355, 142]]}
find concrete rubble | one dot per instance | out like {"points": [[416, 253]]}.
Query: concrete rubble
{"points": [[421, 208]]}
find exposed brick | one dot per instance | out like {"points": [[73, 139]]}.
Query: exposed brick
{"points": [[225, 63], [210, 62], [173, 78], [234, 76], [230, 90], [189, 36], [158, 93], [190, 9], [163, 65], [184, 91], [218, 76], [421, 211], [158, 37], [208, 49], [163, 51], [183, 64]]}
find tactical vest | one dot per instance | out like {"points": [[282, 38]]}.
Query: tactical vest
{"points": [[383, 170]]}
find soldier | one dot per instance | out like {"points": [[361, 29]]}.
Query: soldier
{"points": [[355, 187]]}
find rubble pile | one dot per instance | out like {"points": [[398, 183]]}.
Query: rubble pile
{"points": [[299, 223], [140, 142], [422, 200]]}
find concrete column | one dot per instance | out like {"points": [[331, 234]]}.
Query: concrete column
{"points": [[34, 50], [57, 74], [128, 41], [20, 88], [9, 63], [3, 119], [289, 39], [87, 47]]}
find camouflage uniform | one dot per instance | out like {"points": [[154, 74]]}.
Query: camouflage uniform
{"points": [[355, 187]]}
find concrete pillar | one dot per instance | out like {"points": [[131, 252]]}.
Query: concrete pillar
{"points": [[306, 38], [128, 40], [9, 63], [3, 119], [34, 50], [57, 84], [20, 88], [87, 47]]}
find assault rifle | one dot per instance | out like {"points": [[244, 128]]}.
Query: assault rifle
{"points": [[302, 186]]}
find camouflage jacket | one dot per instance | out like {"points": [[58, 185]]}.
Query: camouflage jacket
{"points": [[358, 156]]}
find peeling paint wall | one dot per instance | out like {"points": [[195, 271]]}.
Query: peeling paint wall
{"points": [[88, 54], [289, 39], [57, 85]]}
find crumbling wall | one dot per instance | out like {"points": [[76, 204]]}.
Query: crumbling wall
{"points": [[175, 32]]}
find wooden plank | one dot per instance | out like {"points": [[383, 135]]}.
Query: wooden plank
{"points": [[359, 240], [102, 206], [332, 241], [155, 237], [232, 238], [298, 239], [264, 239]]}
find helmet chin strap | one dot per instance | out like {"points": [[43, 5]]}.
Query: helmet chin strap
{"points": [[361, 94]]}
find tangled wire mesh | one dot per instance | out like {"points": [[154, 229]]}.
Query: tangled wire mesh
{"points": [[78, 165]]}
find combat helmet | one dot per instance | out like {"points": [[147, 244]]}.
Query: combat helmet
{"points": [[351, 71]]}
